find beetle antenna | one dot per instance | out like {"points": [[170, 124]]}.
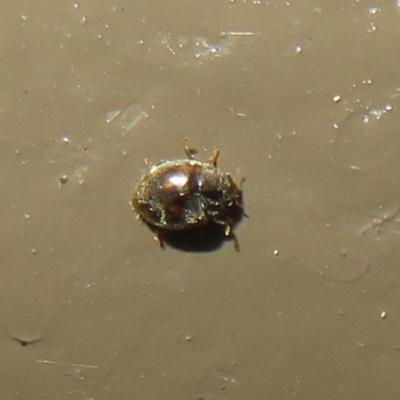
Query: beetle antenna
{"points": [[213, 160], [189, 152]]}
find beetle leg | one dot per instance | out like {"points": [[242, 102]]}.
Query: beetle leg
{"points": [[214, 158], [244, 214], [189, 152], [228, 228], [240, 205], [160, 240], [235, 242], [230, 234]]}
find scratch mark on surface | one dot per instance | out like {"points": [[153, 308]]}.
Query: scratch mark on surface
{"points": [[67, 364]]}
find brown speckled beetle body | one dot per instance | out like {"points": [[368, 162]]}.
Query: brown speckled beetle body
{"points": [[177, 195]]}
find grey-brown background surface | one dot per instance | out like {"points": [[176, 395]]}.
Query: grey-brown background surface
{"points": [[302, 98]]}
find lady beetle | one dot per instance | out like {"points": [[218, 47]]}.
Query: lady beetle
{"points": [[178, 195]]}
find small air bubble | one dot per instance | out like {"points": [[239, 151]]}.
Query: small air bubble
{"points": [[64, 179], [298, 49], [337, 98], [372, 27], [373, 10], [65, 139]]}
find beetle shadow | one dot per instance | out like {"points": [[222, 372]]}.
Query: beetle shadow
{"points": [[199, 240], [204, 239]]}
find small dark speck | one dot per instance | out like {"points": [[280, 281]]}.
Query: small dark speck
{"points": [[25, 343]]}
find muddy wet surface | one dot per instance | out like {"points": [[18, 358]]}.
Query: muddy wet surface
{"points": [[301, 99]]}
